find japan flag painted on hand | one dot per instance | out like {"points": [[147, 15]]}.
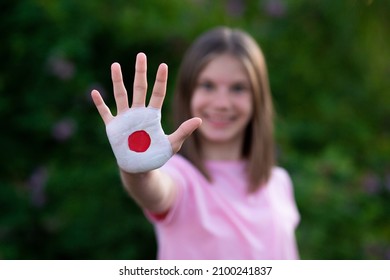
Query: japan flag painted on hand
{"points": [[138, 140], [135, 134]]}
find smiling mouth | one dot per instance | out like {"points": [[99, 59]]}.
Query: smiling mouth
{"points": [[219, 120]]}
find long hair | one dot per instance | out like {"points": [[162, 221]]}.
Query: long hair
{"points": [[258, 145]]}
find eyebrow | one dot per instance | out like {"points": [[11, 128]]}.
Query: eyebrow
{"points": [[241, 81]]}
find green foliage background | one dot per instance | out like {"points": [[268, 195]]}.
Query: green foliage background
{"points": [[329, 64]]}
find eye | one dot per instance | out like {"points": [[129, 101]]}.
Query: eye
{"points": [[238, 88], [206, 85]]}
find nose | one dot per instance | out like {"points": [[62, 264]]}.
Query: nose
{"points": [[221, 99]]}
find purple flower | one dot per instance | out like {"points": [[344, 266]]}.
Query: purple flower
{"points": [[36, 185], [61, 67], [371, 183], [64, 129], [275, 8], [235, 8]]}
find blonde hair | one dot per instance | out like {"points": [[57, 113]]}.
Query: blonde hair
{"points": [[258, 146]]}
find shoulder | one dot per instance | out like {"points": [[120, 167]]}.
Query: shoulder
{"points": [[280, 180], [281, 186], [279, 173], [181, 170]]}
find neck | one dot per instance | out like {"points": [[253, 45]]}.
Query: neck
{"points": [[221, 151]]}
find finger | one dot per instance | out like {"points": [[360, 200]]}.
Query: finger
{"points": [[102, 108], [181, 134], [120, 93], [140, 81], [160, 87]]}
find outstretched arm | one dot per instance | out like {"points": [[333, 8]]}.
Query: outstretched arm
{"points": [[137, 139]]}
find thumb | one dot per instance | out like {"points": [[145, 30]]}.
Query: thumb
{"points": [[181, 134]]}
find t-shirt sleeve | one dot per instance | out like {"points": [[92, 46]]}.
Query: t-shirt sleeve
{"points": [[172, 169], [289, 192]]}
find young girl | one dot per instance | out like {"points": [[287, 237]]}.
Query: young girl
{"points": [[210, 188]]}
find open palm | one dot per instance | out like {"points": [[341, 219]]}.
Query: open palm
{"points": [[135, 134]]}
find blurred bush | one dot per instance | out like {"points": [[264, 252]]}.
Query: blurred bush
{"points": [[60, 193]]}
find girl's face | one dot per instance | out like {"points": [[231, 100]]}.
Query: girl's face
{"points": [[223, 100]]}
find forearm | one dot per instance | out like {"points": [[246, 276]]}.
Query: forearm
{"points": [[152, 190]]}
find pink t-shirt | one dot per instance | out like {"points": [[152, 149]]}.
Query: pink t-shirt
{"points": [[221, 220]]}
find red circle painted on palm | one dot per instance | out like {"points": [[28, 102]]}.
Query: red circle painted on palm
{"points": [[139, 141]]}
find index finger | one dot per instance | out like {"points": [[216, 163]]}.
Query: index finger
{"points": [[160, 87]]}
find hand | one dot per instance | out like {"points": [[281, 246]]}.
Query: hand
{"points": [[135, 134]]}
